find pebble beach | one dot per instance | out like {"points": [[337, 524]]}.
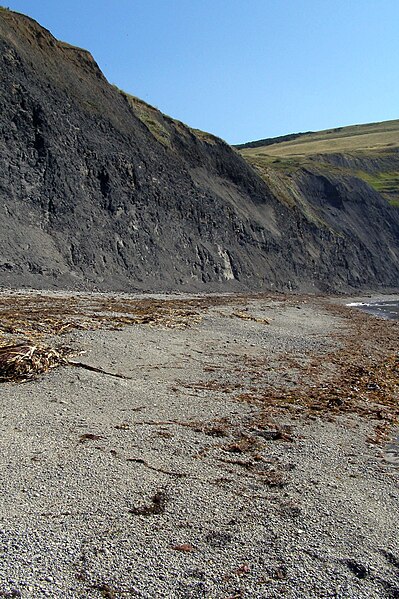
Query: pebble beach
{"points": [[233, 447]]}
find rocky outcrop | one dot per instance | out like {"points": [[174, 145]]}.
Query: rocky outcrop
{"points": [[98, 190]]}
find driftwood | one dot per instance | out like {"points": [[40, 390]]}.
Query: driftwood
{"points": [[96, 369], [22, 362]]}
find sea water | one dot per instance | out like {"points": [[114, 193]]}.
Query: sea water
{"points": [[382, 308]]}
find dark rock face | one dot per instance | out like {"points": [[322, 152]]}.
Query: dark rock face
{"points": [[99, 190], [367, 225]]}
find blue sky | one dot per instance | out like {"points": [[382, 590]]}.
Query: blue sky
{"points": [[242, 69]]}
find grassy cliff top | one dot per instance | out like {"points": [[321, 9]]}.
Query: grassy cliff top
{"points": [[369, 152], [364, 138]]}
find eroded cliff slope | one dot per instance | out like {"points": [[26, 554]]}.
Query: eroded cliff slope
{"points": [[100, 190], [347, 178]]}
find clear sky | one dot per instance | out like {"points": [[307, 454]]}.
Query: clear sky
{"points": [[241, 69]]}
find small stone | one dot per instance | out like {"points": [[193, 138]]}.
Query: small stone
{"points": [[185, 547]]}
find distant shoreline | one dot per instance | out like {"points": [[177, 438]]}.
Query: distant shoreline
{"points": [[387, 307]]}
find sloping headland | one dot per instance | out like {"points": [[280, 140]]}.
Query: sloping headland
{"points": [[224, 445]]}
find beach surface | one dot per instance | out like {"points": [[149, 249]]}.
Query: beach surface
{"points": [[217, 446]]}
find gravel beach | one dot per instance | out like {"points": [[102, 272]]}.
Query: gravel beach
{"points": [[231, 448]]}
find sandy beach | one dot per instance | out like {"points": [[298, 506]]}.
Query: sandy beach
{"points": [[220, 447]]}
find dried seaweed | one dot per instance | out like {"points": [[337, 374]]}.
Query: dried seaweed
{"points": [[184, 547], [157, 506], [35, 315], [245, 316], [23, 362], [361, 378], [89, 437], [29, 323]]}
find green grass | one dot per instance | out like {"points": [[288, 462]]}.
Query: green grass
{"points": [[369, 145], [386, 183], [151, 117], [161, 126], [204, 136]]}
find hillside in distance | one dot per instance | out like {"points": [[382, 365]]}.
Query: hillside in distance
{"points": [[370, 152], [99, 190], [337, 176], [373, 136]]}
